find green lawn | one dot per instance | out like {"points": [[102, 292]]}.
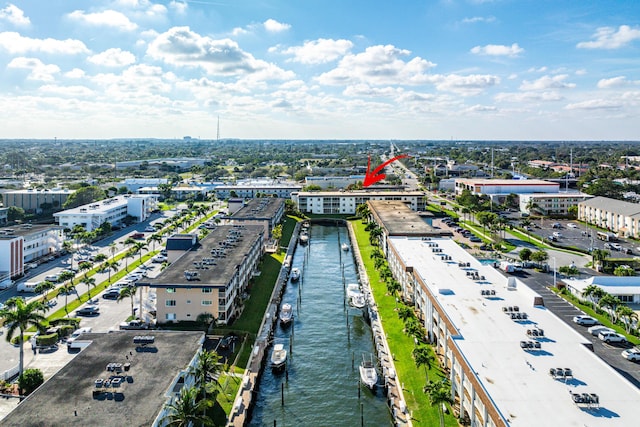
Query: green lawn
{"points": [[401, 345]]}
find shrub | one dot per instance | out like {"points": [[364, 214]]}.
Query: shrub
{"points": [[46, 340], [66, 330], [30, 380], [15, 340]]}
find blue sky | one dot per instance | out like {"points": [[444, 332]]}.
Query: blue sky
{"points": [[321, 69]]}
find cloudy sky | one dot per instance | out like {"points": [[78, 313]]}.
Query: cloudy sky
{"points": [[330, 69]]}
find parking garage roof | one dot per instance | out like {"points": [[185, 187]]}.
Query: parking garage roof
{"points": [[518, 381]]}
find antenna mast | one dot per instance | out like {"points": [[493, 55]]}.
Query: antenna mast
{"points": [[218, 131]]}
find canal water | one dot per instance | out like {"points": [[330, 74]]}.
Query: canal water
{"points": [[328, 340]]}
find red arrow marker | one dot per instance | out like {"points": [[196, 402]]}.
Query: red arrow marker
{"points": [[375, 176]]}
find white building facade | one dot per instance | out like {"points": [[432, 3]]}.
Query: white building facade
{"points": [[113, 210], [617, 216], [551, 204], [489, 187], [26, 243], [346, 202]]}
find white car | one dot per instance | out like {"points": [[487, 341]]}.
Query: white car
{"points": [[616, 246], [595, 330], [557, 234], [610, 337], [150, 229], [572, 225], [585, 320], [632, 354]]}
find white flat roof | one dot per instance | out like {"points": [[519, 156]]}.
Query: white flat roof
{"points": [[516, 380], [102, 206]]}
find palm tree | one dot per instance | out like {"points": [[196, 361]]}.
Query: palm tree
{"points": [[593, 293], [66, 275], [44, 288], [128, 292], [205, 372], [19, 316], [66, 290], [127, 255], [422, 356], [610, 303], [153, 239], [439, 394], [628, 316], [112, 266], [100, 258], [85, 266], [138, 248], [374, 236], [89, 281], [113, 249], [187, 411], [598, 257]]}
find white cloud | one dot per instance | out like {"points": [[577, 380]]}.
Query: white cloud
{"points": [[37, 69], [66, 91], [481, 108], [107, 18], [182, 47], [581, 72], [547, 82], [520, 97], [475, 19], [620, 81], [319, 51], [15, 15], [239, 31], [610, 38], [273, 26], [15, 43], [114, 57], [179, 6], [595, 104], [468, 85], [378, 65], [498, 50], [76, 73]]}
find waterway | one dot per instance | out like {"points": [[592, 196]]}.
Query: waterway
{"points": [[328, 339]]}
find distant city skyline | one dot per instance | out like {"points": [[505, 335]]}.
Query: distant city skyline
{"points": [[278, 69]]}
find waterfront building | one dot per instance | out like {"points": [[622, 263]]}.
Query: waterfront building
{"points": [[266, 212], [551, 204], [146, 371], [21, 244], [346, 202], [614, 215], [510, 361], [253, 188], [209, 276], [37, 201], [113, 210]]}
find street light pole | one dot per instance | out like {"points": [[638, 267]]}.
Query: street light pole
{"points": [[554, 272]]}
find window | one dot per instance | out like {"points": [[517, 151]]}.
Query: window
{"points": [[170, 316], [171, 290], [170, 303], [207, 302], [188, 301], [207, 290]]}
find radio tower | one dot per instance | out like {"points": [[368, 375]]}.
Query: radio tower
{"points": [[218, 131]]}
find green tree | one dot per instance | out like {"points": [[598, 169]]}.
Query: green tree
{"points": [[423, 356], [18, 316], [624, 270], [593, 293], [65, 290], [84, 196], [187, 410], [89, 281], [525, 254], [439, 394], [30, 380], [628, 316], [610, 303], [206, 372], [43, 288], [128, 292], [598, 257], [540, 257], [15, 213]]}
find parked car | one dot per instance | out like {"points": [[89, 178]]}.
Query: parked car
{"points": [[610, 337], [556, 225], [557, 234], [616, 246], [595, 330], [51, 278], [585, 320], [159, 259], [632, 354], [134, 324], [572, 225], [90, 310], [150, 229], [111, 294], [553, 238], [475, 239], [76, 334]]}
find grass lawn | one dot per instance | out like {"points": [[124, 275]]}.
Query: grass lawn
{"points": [[401, 345]]}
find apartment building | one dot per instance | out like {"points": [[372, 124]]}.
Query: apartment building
{"points": [[36, 201], [346, 202], [253, 188], [614, 215], [211, 276], [113, 210], [551, 204], [22, 244], [266, 212]]}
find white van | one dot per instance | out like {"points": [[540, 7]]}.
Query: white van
{"points": [[29, 287], [75, 335]]}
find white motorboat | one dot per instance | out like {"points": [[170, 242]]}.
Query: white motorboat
{"points": [[358, 300], [368, 373], [355, 296], [279, 356], [286, 314], [295, 274], [345, 247], [304, 238]]}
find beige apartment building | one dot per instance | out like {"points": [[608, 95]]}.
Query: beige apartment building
{"points": [[210, 276]]}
